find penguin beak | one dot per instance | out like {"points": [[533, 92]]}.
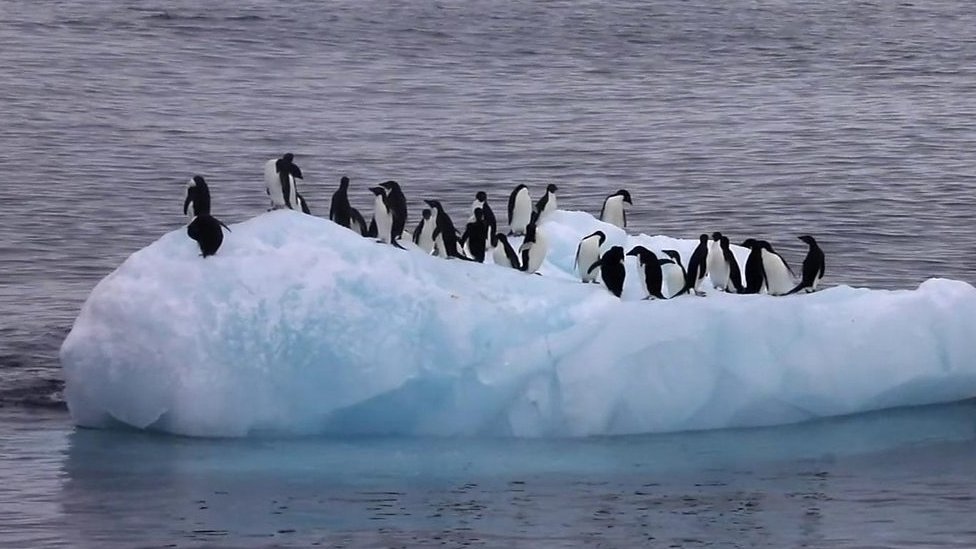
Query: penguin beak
{"points": [[633, 251], [376, 190]]}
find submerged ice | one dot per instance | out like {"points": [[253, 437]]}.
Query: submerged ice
{"points": [[300, 326]]}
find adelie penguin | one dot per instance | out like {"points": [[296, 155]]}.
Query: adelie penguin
{"points": [[534, 248], [519, 210], [587, 253], [197, 197], [382, 215], [445, 234], [423, 234], [547, 204], [696, 265], [814, 266], [755, 274], [715, 265], [612, 269], [650, 271], [675, 276], [613, 209], [476, 236], [481, 201], [203, 228], [398, 207], [279, 179], [504, 254], [735, 275], [779, 276]]}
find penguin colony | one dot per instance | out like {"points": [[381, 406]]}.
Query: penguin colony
{"points": [[764, 271]]}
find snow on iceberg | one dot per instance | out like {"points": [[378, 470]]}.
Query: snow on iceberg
{"points": [[299, 326]]}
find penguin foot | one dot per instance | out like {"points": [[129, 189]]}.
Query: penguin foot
{"points": [[699, 293]]}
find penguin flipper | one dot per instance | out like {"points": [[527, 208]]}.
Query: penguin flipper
{"points": [[593, 266]]}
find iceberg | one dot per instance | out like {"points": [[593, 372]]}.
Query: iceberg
{"points": [[299, 326]]}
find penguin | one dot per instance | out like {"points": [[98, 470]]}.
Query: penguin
{"points": [[504, 254], [587, 252], [476, 236], [519, 210], [340, 211], [547, 204], [481, 201], [357, 222], [382, 215], [674, 274], [445, 235], [696, 265], [755, 274], [303, 204], [612, 269], [715, 265], [197, 200], [735, 275], [814, 266], [206, 230], [279, 180], [613, 212], [650, 271], [398, 207], [423, 235], [779, 276], [534, 248]]}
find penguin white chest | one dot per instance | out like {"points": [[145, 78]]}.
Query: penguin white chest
{"points": [[589, 253], [718, 268], [778, 279], [537, 252], [674, 278], [272, 184], [384, 220], [613, 212], [425, 241], [521, 212]]}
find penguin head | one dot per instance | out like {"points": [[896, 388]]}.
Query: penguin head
{"points": [[390, 185], [195, 180], [716, 236], [673, 254], [425, 213], [481, 196], [551, 188], [344, 182], [601, 236], [808, 239], [642, 253], [703, 238], [766, 246], [479, 215], [288, 157], [434, 205], [378, 191], [724, 242], [749, 243], [624, 193], [614, 254]]}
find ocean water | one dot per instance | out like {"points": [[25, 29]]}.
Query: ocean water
{"points": [[851, 121]]}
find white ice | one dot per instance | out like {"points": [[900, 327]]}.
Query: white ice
{"points": [[299, 326]]}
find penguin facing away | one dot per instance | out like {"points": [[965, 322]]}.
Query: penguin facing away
{"points": [[398, 207], [519, 210], [696, 265], [650, 271], [481, 201], [357, 222], [534, 247], [814, 266], [735, 275], [423, 235], [197, 201], [504, 254], [612, 269], [755, 274], [476, 236], [206, 230], [340, 211], [288, 173], [675, 276], [779, 276], [587, 253], [613, 211], [547, 204]]}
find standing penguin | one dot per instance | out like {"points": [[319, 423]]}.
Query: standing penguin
{"points": [[779, 276], [398, 207], [476, 236], [423, 235], [279, 180], [650, 271], [382, 215], [481, 201], [519, 210], [735, 275], [445, 235], [534, 248], [814, 266], [612, 269], [755, 275], [587, 253], [197, 201], [716, 267], [613, 209], [504, 254], [340, 211], [547, 204], [696, 265], [674, 274]]}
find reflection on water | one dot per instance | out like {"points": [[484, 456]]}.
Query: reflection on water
{"points": [[893, 477]]}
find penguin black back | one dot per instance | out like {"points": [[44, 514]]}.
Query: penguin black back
{"points": [[398, 206], [490, 221], [814, 266], [476, 236], [612, 269], [340, 209], [445, 230], [513, 258], [696, 265], [198, 196], [653, 277], [206, 230], [755, 272], [735, 274]]}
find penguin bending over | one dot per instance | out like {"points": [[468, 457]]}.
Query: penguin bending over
{"points": [[814, 266], [534, 248], [423, 235], [755, 274], [612, 269], [445, 235], [779, 276], [674, 274], [650, 271], [504, 254], [613, 212], [204, 228], [398, 207], [519, 210], [696, 265], [547, 204], [481, 201], [197, 200], [476, 236], [588, 252]]}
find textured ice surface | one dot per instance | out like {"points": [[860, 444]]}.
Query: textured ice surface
{"points": [[300, 326]]}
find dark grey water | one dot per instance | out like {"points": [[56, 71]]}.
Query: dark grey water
{"points": [[852, 121]]}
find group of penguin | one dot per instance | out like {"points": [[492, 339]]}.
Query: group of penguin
{"points": [[764, 270]]}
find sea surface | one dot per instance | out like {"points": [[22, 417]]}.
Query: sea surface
{"points": [[851, 121]]}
